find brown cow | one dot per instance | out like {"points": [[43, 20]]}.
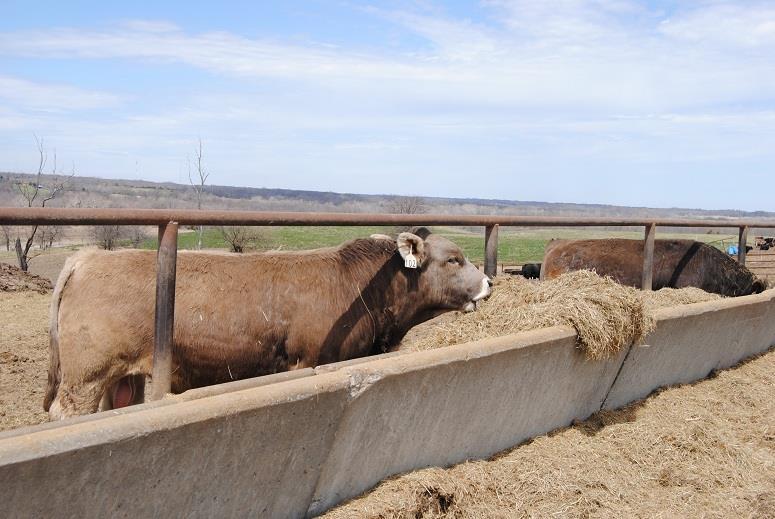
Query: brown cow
{"points": [[677, 264], [240, 316]]}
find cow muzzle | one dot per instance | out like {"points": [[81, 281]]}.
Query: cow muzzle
{"points": [[484, 291]]}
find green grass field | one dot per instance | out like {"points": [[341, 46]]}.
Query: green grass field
{"points": [[515, 246]]}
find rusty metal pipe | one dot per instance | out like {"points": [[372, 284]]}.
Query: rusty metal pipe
{"points": [[742, 241], [648, 257], [166, 261], [71, 216], [491, 250]]}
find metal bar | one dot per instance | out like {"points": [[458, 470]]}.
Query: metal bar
{"points": [[648, 256], [491, 250], [742, 241], [80, 216], [166, 260]]}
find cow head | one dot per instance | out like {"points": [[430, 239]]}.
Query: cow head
{"points": [[758, 286], [444, 275]]}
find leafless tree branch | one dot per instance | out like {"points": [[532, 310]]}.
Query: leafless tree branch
{"points": [[30, 192], [198, 185], [407, 205]]}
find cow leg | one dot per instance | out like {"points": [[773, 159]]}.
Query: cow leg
{"points": [[76, 400]]}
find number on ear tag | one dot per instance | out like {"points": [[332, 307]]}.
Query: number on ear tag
{"points": [[410, 261]]}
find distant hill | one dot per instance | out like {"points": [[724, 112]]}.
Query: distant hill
{"points": [[98, 192]]}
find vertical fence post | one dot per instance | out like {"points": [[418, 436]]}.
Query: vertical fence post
{"points": [[648, 256], [166, 260], [741, 243], [491, 250]]}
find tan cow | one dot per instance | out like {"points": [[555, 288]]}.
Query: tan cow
{"points": [[244, 315]]}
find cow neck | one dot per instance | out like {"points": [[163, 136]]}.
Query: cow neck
{"points": [[390, 293]]}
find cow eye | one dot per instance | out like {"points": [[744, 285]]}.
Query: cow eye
{"points": [[452, 260]]}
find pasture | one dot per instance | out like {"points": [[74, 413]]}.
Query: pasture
{"points": [[515, 245]]}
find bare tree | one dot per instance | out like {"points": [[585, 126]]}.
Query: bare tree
{"points": [[136, 235], [35, 193], [6, 230], [198, 185], [48, 234], [107, 236], [241, 239], [407, 205]]}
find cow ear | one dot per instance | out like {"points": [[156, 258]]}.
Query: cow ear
{"points": [[422, 232], [411, 243]]}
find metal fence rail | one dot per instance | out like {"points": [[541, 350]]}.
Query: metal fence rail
{"points": [[168, 221], [57, 216]]}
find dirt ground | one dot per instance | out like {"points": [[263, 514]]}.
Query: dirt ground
{"points": [[14, 279], [700, 450], [47, 265], [23, 358]]}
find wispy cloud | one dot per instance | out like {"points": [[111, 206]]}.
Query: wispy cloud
{"points": [[52, 97], [725, 24], [603, 53], [523, 86]]}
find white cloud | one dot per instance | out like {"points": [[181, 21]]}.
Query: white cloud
{"points": [[215, 51], [52, 97], [603, 54], [570, 22], [725, 24]]}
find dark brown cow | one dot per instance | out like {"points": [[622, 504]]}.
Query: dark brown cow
{"points": [[239, 316], [677, 264]]}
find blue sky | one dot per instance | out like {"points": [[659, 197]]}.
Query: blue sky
{"points": [[658, 103]]}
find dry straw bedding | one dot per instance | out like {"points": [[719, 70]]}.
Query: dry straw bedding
{"points": [[700, 450], [606, 315]]}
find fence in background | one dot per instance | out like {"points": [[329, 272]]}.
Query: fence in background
{"points": [[168, 221]]}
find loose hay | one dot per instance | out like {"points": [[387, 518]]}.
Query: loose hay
{"points": [[700, 450], [606, 315], [676, 296]]}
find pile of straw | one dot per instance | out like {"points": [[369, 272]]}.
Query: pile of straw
{"points": [[606, 315], [700, 450]]}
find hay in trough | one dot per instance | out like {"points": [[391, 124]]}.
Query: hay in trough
{"points": [[606, 315], [676, 296]]}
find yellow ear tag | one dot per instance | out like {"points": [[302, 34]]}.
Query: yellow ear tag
{"points": [[410, 261]]}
